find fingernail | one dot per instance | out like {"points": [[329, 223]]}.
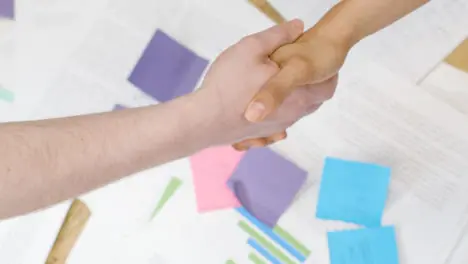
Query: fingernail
{"points": [[257, 145], [298, 24], [255, 112]]}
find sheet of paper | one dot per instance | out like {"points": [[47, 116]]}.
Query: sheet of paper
{"points": [[211, 171], [167, 69], [381, 118], [413, 46], [459, 254], [308, 10], [28, 239], [56, 28], [266, 184], [67, 95], [363, 246], [450, 85], [362, 190], [7, 9]]}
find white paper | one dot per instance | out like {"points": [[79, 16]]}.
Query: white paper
{"points": [[46, 33], [450, 85], [413, 46], [28, 239]]}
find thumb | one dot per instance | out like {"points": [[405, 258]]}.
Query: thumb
{"points": [[275, 91]]}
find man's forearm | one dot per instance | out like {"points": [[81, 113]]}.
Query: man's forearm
{"points": [[44, 162], [353, 20]]}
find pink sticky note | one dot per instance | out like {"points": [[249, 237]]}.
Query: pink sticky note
{"points": [[211, 169]]}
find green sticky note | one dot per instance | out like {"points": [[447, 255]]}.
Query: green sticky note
{"points": [[6, 95], [171, 188], [256, 259], [291, 240]]}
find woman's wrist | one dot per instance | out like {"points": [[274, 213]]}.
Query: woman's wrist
{"points": [[338, 27]]}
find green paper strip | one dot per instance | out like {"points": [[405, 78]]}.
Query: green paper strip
{"points": [[7, 95], [230, 262], [171, 188], [256, 259], [265, 243], [292, 241]]}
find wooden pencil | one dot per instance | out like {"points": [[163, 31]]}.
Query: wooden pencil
{"points": [[266, 8], [72, 227]]}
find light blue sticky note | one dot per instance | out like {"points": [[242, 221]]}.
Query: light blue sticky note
{"points": [[363, 246], [6, 95], [353, 192]]}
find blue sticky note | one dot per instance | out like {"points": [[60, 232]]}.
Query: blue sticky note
{"points": [[363, 246], [353, 192]]}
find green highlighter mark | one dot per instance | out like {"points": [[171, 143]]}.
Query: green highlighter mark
{"points": [[291, 240], [171, 188], [230, 262], [256, 259], [265, 243], [6, 95]]}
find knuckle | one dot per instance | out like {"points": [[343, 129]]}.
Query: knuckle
{"points": [[330, 88], [252, 41]]}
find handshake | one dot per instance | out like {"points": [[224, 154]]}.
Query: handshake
{"points": [[265, 83]]}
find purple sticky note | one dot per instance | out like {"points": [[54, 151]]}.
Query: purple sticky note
{"points": [[266, 184], [167, 69], [7, 9], [118, 107]]}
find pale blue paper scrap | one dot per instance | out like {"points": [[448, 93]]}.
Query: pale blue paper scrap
{"points": [[353, 192], [363, 246], [6, 95]]}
